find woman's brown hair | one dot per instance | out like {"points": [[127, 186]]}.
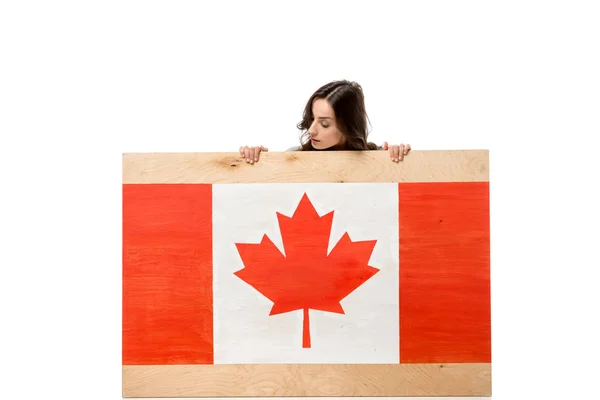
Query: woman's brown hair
{"points": [[348, 103]]}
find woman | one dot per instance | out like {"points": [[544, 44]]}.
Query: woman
{"points": [[334, 118]]}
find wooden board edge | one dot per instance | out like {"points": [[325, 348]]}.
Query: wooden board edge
{"points": [[298, 167], [305, 380]]}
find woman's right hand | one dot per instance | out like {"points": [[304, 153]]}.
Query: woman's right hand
{"points": [[251, 154]]}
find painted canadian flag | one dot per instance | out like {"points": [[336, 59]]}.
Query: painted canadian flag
{"points": [[382, 273]]}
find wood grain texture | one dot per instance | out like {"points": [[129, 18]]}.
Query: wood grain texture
{"points": [[281, 380], [420, 374], [339, 166]]}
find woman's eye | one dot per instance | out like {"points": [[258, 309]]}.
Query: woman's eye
{"points": [[325, 126]]}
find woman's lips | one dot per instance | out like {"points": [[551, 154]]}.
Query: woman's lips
{"points": [[315, 140]]}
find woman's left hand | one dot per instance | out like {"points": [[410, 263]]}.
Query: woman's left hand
{"points": [[397, 151]]}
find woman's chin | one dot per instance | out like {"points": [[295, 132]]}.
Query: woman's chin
{"points": [[317, 145]]}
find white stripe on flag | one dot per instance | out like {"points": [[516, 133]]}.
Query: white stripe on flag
{"points": [[243, 330]]}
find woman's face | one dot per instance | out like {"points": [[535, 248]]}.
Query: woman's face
{"points": [[324, 132]]}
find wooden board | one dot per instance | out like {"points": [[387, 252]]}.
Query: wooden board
{"points": [[280, 380], [341, 166], [183, 211]]}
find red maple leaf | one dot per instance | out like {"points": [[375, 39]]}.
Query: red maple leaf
{"points": [[306, 277]]}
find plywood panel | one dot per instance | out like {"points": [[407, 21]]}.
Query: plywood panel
{"points": [[341, 166], [279, 380], [440, 216]]}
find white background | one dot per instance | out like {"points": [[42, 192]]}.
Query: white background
{"points": [[81, 82], [368, 330]]}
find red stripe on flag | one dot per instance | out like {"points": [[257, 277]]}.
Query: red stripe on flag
{"points": [[167, 274], [444, 272]]}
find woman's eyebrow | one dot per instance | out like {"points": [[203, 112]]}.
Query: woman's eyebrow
{"points": [[323, 117]]}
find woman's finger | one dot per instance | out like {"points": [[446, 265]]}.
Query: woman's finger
{"points": [[261, 148]]}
